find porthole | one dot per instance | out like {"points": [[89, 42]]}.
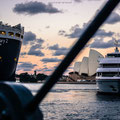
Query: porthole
{"points": [[17, 35], [2, 33], [11, 34]]}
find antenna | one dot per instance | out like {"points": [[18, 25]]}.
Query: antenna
{"points": [[116, 43]]}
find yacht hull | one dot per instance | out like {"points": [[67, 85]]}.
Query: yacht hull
{"points": [[108, 86]]}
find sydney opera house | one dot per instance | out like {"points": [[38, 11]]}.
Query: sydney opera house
{"points": [[88, 65]]}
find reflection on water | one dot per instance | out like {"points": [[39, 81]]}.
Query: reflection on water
{"points": [[78, 102]]}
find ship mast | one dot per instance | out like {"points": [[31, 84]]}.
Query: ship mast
{"points": [[116, 44]]}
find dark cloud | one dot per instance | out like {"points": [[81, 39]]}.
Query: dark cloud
{"points": [[61, 32], [28, 37], [75, 27], [76, 31], [46, 60], [44, 69], [35, 50], [36, 44], [40, 41], [99, 43], [77, 0], [103, 33], [58, 50], [114, 18], [25, 66], [23, 53], [54, 47], [34, 7], [75, 34]]}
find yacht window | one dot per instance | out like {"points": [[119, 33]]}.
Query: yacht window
{"points": [[110, 74], [11, 34], [99, 74], [2, 33], [17, 35], [113, 55], [111, 65]]}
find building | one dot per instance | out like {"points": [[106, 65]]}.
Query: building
{"points": [[89, 64]]}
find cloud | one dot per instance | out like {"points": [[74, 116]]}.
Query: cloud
{"points": [[114, 18], [75, 34], [23, 53], [61, 32], [58, 50], [99, 43], [45, 69], [54, 47], [25, 66], [35, 50], [40, 41], [77, 1], [36, 44], [46, 60], [28, 37], [103, 33], [34, 7], [76, 31]]}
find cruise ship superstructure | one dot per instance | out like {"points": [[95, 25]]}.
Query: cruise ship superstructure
{"points": [[10, 44], [108, 73]]}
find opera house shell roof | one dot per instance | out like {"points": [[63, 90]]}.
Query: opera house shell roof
{"points": [[89, 64]]}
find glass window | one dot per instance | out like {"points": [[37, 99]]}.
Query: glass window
{"points": [[111, 65], [11, 34], [17, 35], [2, 33], [110, 74]]}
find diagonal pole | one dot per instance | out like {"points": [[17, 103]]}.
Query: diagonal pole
{"points": [[84, 38]]}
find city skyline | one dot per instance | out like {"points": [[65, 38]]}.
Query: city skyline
{"points": [[52, 27]]}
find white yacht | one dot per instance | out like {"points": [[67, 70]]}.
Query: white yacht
{"points": [[108, 72]]}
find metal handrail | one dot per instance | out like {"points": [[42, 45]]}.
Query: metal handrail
{"points": [[84, 38]]}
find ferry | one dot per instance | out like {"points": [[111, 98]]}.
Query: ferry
{"points": [[10, 44], [108, 72]]}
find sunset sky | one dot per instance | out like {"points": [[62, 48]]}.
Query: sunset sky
{"points": [[53, 26]]}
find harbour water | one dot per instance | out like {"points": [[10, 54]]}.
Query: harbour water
{"points": [[78, 102]]}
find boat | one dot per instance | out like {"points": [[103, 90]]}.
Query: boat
{"points": [[108, 72], [10, 45]]}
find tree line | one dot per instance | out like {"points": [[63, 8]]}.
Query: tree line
{"points": [[25, 77]]}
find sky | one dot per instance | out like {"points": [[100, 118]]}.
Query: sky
{"points": [[53, 26]]}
